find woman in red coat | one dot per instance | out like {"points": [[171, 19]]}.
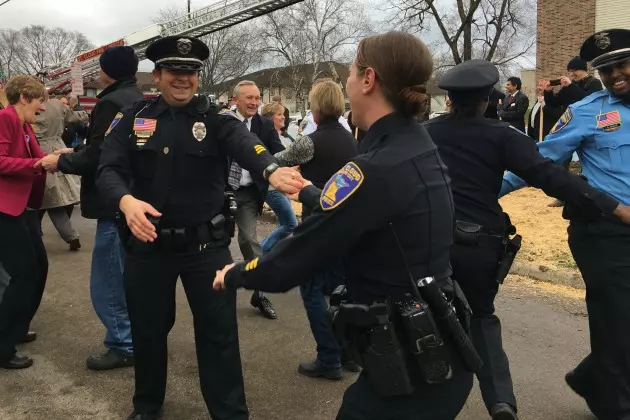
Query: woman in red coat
{"points": [[23, 261]]}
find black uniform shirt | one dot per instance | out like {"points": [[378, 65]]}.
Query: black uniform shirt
{"points": [[198, 141], [398, 177], [478, 151]]}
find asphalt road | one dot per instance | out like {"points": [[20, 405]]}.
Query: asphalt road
{"points": [[545, 333]]}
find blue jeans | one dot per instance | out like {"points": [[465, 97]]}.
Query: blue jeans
{"points": [[287, 222], [328, 350], [107, 289]]}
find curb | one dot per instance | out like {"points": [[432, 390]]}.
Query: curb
{"points": [[562, 277]]}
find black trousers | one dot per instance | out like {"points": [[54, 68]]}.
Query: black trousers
{"points": [[474, 268], [601, 250], [428, 402], [150, 279], [25, 268]]}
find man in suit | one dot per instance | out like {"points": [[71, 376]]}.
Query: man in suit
{"points": [[550, 114], [250, 189], [515, 105]]}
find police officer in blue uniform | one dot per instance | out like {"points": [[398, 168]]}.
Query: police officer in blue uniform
{"points": [[164, 163], [389, 214], [598, 129], [477, 151]]}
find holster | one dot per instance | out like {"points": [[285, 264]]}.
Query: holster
{"points": [[230, 208], [511, 246]]}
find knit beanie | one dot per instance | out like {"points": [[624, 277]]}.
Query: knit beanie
{"points": [[577, 63], [119, 62]]}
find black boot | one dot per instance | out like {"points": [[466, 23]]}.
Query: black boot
{"points": [[112, 359], [317, 370], [18, 361], [136, 415], [503, 411], [264, 305]]}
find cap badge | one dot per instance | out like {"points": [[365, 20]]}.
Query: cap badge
{"points": [[602, 40], [199, 131], [184, 46]]}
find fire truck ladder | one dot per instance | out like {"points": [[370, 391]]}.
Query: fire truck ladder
{"points": [[209, 19]]}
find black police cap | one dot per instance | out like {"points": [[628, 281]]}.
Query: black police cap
{"points": [[606, 47], [178, 53], [470, 81]]}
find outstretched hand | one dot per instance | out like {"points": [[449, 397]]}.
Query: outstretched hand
{"points": [[135, 212], [296, 196], [623, 213], [219, 278], [287, 180]]}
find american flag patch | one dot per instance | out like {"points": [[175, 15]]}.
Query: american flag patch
{"points": [[609, 121], [144, 125]]}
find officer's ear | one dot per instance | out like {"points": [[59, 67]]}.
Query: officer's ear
{"points": [[157, 74]]}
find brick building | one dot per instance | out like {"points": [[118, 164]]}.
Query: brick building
{"points": [[563, 25]]}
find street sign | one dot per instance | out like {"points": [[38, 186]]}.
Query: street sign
{"points": [[100, 50], [76, 78]]}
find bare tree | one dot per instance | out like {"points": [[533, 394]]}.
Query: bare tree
{"points": [[233, 51], [501, 31], [311, 33], [39, 47], [10, 48]]}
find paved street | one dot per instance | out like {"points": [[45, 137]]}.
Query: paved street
{"points": [[545, 332]]}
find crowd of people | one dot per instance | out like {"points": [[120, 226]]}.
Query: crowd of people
{"points": [[401, 224]]}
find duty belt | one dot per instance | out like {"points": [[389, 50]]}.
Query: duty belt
{"points": [[472, 234]]}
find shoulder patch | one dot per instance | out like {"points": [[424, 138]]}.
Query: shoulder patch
{"points": [[562, 122], [115, 121], [341, 186], [229, 112]]}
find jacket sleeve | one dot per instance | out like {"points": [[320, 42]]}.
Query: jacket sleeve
{"points": [[301, 152], [553, 99], [322, 237], [237, 142], [85, 161], [309, 197], [114, 170], [13, 166], [524, 159]]}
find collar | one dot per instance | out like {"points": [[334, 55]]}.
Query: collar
{"points": [[117, 85], [380, 128], [190, 108], [242, 118], [612, 99], [329, 122]]}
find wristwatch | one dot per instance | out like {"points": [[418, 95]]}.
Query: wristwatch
{"points": [[269, 170]]}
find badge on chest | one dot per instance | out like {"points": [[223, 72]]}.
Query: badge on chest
{"points": [[143, 128], [199, 131]]}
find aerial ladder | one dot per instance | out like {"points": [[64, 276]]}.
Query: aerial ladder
{"points": [[212, 18]]}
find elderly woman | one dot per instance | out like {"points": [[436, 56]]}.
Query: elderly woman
{"points": [[22, 253], [62, 190], [278, 202], [320, 155]]}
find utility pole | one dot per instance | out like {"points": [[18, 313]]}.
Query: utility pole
{"points": [[189, 1]]}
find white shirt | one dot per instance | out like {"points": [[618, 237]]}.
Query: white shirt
{"points": [[311, 126], [246, 177]]}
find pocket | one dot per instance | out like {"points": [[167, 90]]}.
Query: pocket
{"points": [[201, 159], [616, 150], [145, 157]]}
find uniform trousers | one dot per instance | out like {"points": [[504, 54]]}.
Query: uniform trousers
{"points": [[474, 268], [150, 279], [24, 266], [601, 250], [428, 402]]}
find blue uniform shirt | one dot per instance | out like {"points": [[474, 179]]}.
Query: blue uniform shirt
{"points": [[598, 129]]}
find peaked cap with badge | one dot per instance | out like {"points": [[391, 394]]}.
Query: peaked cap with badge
{"points": [[470, 81], [606, 47], [178, 53]]}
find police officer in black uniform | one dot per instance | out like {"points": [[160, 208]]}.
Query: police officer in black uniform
{"points": [[389, 214], [477, 151], [164, 163]]}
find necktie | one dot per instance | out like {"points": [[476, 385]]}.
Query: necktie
{"points": [[511, 99], [236, 173]]}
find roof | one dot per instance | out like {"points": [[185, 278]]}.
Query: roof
{"points": [[281, 77], [145, 82]]}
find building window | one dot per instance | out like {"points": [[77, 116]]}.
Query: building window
{"points": [[90, 92]]}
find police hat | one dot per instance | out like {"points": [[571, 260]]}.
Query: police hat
{"points": [[606, 47], [470, 81], [178, 53]]}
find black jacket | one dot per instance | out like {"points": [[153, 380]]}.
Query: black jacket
{"points": [[267, 134], [551, 114], [397, 183], [514, 112], [493, 101], [576, 91], [84, 161]]}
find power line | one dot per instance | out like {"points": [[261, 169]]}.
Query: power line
{"points": [[4, 2]]}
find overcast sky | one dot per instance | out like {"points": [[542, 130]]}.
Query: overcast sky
{"points": [[102, 21]]}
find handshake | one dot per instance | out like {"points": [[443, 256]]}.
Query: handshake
{"points": [[49, 162]]}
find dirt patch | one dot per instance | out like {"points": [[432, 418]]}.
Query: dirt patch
{"points": [[543, 229]]}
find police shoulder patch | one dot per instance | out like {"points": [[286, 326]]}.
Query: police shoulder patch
{"points": [[562, 122], [229, 112], [341, 186], [115, 121]]}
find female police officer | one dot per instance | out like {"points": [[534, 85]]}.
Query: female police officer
{"points": [[477, 151], [396, 192]]}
